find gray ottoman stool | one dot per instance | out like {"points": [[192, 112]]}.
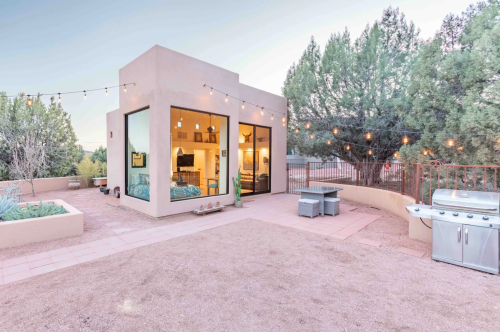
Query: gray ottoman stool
{"points": [[308, 207], [332, 206]]}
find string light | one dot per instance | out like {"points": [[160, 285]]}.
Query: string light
{"points": [[328, 142], [370, 152], [124, 87], [243, 105], [262, 111], [308, 125], [211, 92], [426, 152], [450, 143], [106, 91], [59, 98], [396, 155], [312, 136], [272, 117], [284, 124], [29, 101], [368, 136], [85, 96], [296, 130], [406, 140], [335, 131], [283, 119], [226, 98], [348, 147]]}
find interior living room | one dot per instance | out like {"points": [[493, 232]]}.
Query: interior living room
{"points": [[198, 140]]}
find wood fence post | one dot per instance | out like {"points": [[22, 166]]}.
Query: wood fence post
{"points": [[307, 174], [417, 184], [357, 173], [403, 180]]}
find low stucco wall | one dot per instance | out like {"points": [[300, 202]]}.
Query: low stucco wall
{"points": [[20, 232], [387, 200], [47, 184]]}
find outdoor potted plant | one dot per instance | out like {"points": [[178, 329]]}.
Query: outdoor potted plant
{"points": [[101, 188], [73, 184], [237, 190], [105, 191]]}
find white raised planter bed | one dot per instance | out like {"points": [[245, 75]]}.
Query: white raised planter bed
{"points": [[18, 232]]}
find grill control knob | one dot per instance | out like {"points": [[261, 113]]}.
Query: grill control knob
{"points": [[441, 212], [486, 218], [470, 216], [417, 209], [455, 214]]}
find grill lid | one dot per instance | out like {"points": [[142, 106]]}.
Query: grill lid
{"points": [[462, 200]]}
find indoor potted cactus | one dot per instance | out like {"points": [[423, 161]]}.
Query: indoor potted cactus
{"points": [[237, 190]]}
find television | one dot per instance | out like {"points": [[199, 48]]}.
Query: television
{"points": [[186, 160]]}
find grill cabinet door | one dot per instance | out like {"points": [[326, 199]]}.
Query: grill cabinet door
{"points": [[447, 240], [480, 247]]}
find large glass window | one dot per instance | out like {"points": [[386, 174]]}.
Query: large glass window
{"points": [[137, 154], [199, 145], [254, 159]]}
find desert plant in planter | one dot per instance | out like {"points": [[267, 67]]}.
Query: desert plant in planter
{"points": [[237, 190], [106, 191], [6, 205], [101, 188], [33, 211]]}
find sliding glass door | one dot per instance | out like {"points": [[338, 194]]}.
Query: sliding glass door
{"points": [[254, 159]]}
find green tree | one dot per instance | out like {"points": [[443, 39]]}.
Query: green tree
{"points": [[48, 125], [88, 169], [353, 86], [455, 88], [99, 154]]}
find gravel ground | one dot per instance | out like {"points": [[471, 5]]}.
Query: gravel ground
{"points": [[98, 209], [248, 276], [254, 276]]}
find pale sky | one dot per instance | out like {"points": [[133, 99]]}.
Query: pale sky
{"points": [[55, 45]]}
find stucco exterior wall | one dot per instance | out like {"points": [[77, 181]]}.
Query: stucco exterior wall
{"points": [[113, 150], [165, 79], [387, 200], [47, 184]]}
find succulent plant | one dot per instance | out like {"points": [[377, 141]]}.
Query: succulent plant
{"points": [[6, 205], [237, 186], [33, 211]]}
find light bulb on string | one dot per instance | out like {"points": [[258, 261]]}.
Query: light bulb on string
{"points": [[348, 147], [335, 131], [368, 136], [262, 111], [370, 152], [124, 87], [283, 119], [406, 140], [312, 136], [226, 98], [328, 142], [308, 125], [296, 130], [396, 155], [284, 124], [272, 117], [450, 142], [211, 91], [243, 105], [106, 91], [425, 152], [85, 96], [29, 101], [59, 98]]}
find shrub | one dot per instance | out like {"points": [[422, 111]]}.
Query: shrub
{"points": [[88, 170], [33, 211]]}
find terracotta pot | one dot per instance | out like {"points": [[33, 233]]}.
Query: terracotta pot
{"points": [[238, 204], [73, 184]]}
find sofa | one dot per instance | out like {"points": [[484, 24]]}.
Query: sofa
{"points": [[261, 181]]}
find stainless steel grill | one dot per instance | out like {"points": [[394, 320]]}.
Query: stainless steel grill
{"points": [[465, 226]]}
